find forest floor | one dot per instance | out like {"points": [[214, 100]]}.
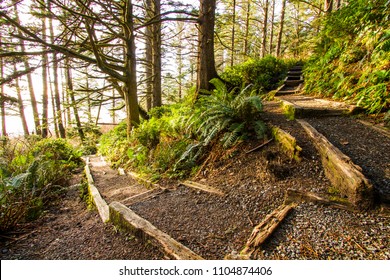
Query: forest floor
{"points": [[214, 226]]}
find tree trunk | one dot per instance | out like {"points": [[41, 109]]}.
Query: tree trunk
{"points": [[233, 34], [157, 99], [21, 106], [34, 104], [149, 57], [265, 24], [2, 100], [130, 87], [271, 36], [45, 90], [338, 4], [57, 98], [69, 85], [279, 43], [247, 20], [206, 61], [328, 6]]}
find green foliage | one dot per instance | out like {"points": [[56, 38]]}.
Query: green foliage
{"points": [[31, 174], [227, 116], [263, 74], [351, 61]]}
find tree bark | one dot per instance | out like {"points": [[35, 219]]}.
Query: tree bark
{"points": [[247, 21], [130, 87], [149, 57], [157, 99], [280, 35], [34, 104], [45, 90], [57, 98], [2, 100], [265, 25], [21, 106], [271, 36], [328, 6], [69, 85], [233, 34], [206, 60]]}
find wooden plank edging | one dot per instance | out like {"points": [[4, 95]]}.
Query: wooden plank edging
{"points": [[344, 175], [97, 199], [127, 219], [202, 187]]}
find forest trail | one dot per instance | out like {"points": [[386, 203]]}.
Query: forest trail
{"points": [[254, 184], [248, 184]]}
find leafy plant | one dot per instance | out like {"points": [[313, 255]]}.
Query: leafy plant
{"points": [[33, 178]]}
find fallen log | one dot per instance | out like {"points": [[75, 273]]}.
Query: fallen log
{"points": [[264, 230], [288, 142], [127, 219], [293, 195], [344, 175], [202, 187], [96, 198]]}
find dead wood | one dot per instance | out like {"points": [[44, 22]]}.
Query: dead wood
{"points": [[264, 230], [344, 175], [143, 196], [260, 146], [202, 187], [293, 195]]}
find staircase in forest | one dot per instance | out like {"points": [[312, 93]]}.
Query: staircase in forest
{"points": [[334, 178]]}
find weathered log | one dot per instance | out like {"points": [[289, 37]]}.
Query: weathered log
{"points": [[264, 230], [297, 195], [202, 187], [288, 143], [344, 175], [127, 219], [143, 196], [384, 131], [96, 198]]}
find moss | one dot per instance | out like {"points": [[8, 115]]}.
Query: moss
{"points": [[287, 142]]}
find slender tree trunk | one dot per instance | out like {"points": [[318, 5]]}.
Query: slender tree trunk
{"points": [[280, 35], [2, 100], [265, 25], [247, 21], [149, 57], [206, 60], [271, 36], [21, 106], [57, 95], [157, 99], [328, 6], [179, 57], [34, 104], [338, 4], [233, 34], [45, 90], [69, 83]]}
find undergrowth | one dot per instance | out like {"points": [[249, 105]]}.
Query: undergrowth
{"points": [[32, 173], [177, 138], [352, 56]]}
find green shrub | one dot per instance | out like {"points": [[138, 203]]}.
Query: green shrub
{"points": [[34, 176], [263, 74]]}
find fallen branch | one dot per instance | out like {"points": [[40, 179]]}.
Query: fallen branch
{"points": [[264, 230], [205, 188], [142, 196], [260, 146]]}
